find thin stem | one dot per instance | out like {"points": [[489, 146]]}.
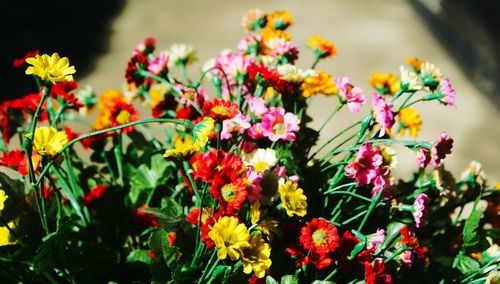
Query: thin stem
{"points": [[330, 117], [333, 138], [350, 193], [316, 61], [117, 149], [187, 172], [205, 271], [186, 123], [373, 205]]}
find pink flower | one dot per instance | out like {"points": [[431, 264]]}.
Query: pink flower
{"points": [[249, 42], [376, 240], [255, 190], [423, 157], [159, 64], [256, 105], [276, 124], [255, 132], [440, 149], [189, 95], [407, 257], [145, 47], [287, 50], [350, 94], [365, 167], [238, 124], [281, 171], [234, 66], [381, 182], [449, 92], [420, 208], [383, 113]]}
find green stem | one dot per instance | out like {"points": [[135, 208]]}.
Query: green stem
{"points": [[187, 172], [329, 276], [71, 197], [332, 139], [182, 69], [205, 271], [198, 229], [186, 123], [330, 117], [349, 193], [373, 205], [117, 149], [316, 61], [399, 251]]}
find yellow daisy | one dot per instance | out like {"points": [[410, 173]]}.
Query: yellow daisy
{"points": [[256, 257], [409, 119], [52, 68], [293, 199], [321, 84], [48, 141], [229, 237]]}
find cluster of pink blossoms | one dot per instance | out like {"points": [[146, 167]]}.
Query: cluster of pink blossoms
{"points": [[273, 123], [383, 113], [368, 169], [437, 153], [350, 94]]}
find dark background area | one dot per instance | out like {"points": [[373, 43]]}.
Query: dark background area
{"points": [[77, 29]]}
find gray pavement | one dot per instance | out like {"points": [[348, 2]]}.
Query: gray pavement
{"points": [[373, 35]]}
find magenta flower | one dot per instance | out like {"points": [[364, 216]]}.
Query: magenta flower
{"points": [[407, 258], [440, 149], [366, 166], [276, 124], [255, 131], [255, 190], [146, 47], [350, 94], [376, 240], [250, 42], [449, 92], [287, 50], [423, 157], [383, 113], [420, 208], [238, 124], [256, 105], [234, 67], [159, 64]]}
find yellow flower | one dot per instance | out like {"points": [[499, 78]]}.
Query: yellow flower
{"points": [[409, 119], [229, 237], [267, 227], [182, 147], [3, 197], [256, 257], [5, 238], [270, 33], [321, 47], [48, 141], [52, 68], [203, 129], [279, 20], [321, 84], [293, 199], [385, 83]]}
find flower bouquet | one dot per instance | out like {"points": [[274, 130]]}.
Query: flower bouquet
{"points": [[220, 179]]}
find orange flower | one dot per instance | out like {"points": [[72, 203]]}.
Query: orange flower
{"points": [[414, 62], [279, 20], [321, 84], [321, 47]]}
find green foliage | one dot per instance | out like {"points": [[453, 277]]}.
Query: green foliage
{"points": [[470, 234], [466, 264], [139, 255], [147, 178]]}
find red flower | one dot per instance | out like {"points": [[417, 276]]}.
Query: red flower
{"points": [[208, 166], [304, 257], [137, 62], [319, 236], [230, 194], [18, 160], [268, 77], [375, 273], [410, 239], [63, 90], [145, 219], [194, 216], [94, 194], [123, 113], [19, 62], [206, 223], [220, 109], [161, 109]]}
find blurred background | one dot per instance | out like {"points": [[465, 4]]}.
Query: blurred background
{"points": [[459, 36]]}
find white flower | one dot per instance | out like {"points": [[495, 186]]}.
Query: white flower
{"points": [[268, 60], [409, 79], [274, 42], [433, 71], [293, 74], [181, 54], [261, 159]]}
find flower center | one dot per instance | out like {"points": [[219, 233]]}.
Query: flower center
{"points": [[279, 127], [123, 117], [228, 192], [260, 166], [220, 110], [319, 238]]}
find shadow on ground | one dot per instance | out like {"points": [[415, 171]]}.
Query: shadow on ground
{"points": [[78, 29]]}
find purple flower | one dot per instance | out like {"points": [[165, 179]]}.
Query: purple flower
{"points": [[449, 92]]}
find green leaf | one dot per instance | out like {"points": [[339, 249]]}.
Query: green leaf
{"points": [[470, 234], [139, 256], [289, 279], [322, 282], [168, 215], [271, 280], [466, 264], [11, 186], [218, 272], [147, 178], [359, 247]]}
